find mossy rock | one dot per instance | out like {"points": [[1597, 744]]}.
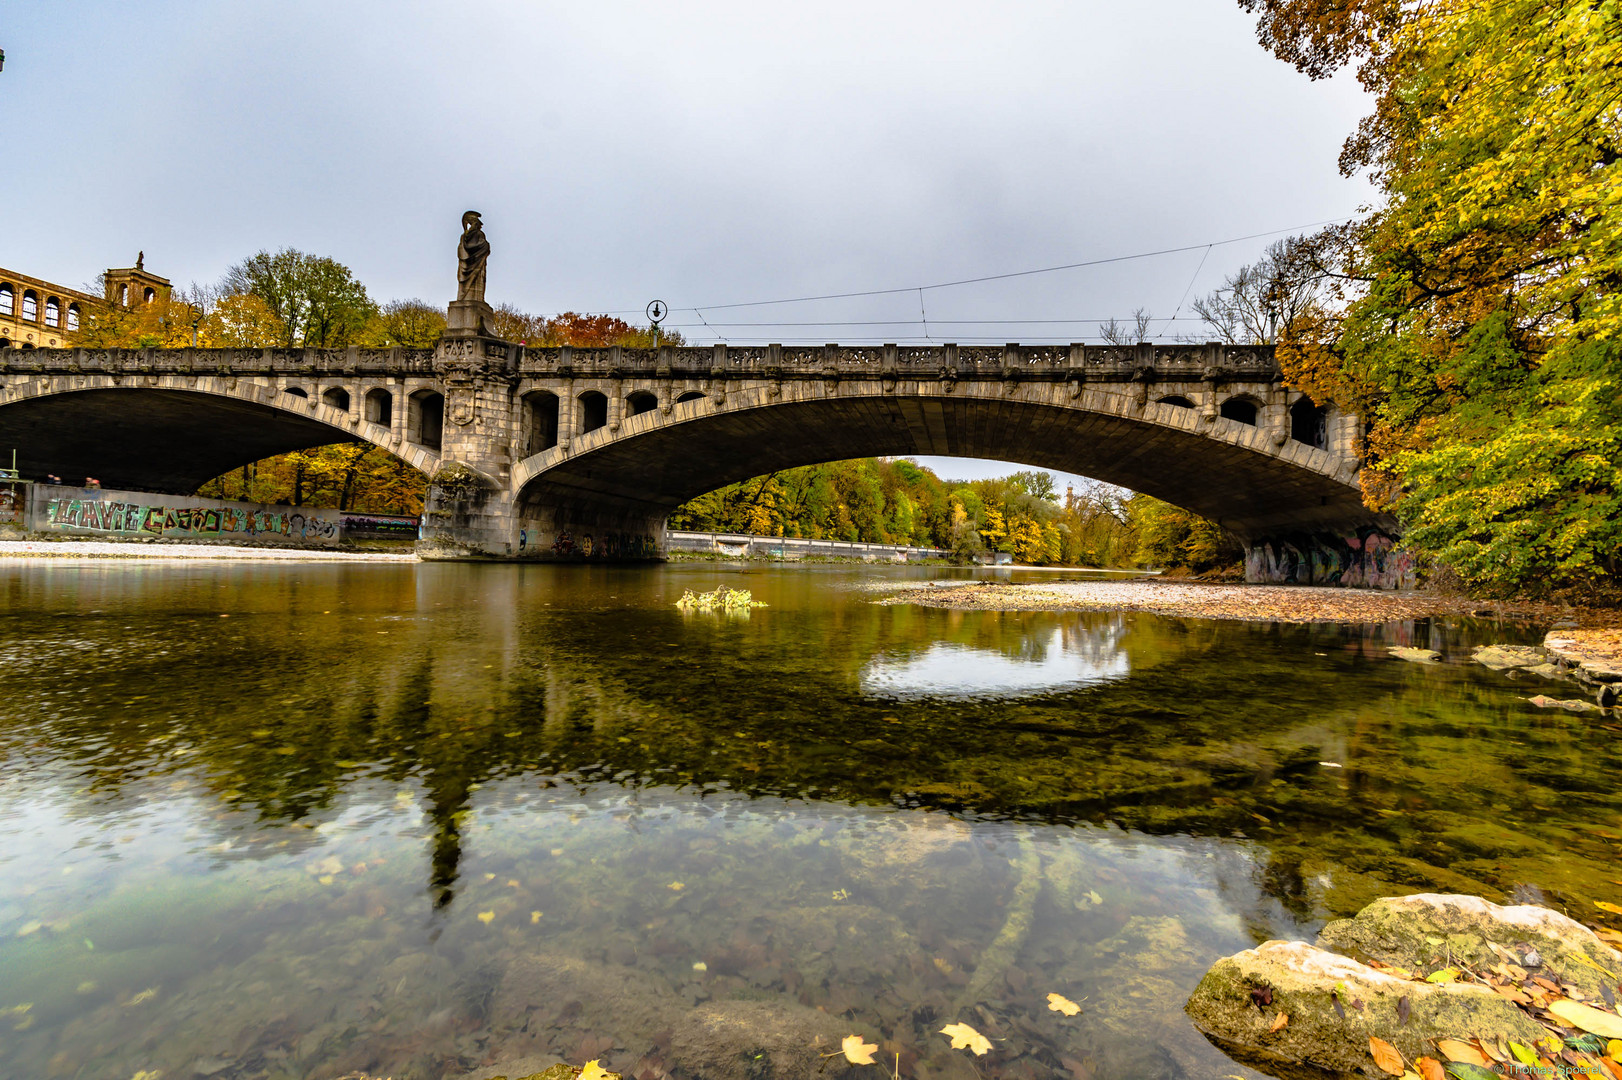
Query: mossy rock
{"points": [[1431, 930], [1308, 983]]}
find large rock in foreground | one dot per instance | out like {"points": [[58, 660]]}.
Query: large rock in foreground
{"points": [[1430, 930], [1334, 1005]]}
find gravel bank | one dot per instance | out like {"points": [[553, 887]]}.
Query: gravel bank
{"points": [[1264, 603], [101, 549]]}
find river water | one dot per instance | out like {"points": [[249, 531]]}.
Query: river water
{"points": [[302, 820]]}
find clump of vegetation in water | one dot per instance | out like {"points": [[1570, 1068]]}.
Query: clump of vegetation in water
{"points": [[722, 599]]}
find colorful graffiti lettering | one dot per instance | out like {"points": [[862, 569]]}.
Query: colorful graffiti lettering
{"points": [[1369, 559], [113, 516]]}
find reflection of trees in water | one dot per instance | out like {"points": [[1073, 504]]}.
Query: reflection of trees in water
{"points": [[449, 680]]}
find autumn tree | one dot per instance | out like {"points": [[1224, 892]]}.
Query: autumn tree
{"points": [[1483, 343], [406, 323]]}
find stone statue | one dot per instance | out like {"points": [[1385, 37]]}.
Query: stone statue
{"points": [[471, 255], [140, 260]]}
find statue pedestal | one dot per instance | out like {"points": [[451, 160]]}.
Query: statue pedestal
{"points": [[470, 317]]}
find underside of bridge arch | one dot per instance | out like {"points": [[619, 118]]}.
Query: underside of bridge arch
{"points": [[642, 476], [151, 439]]}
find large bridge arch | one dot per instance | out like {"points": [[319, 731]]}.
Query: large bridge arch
{"points": [[174, 433], [1231, 471]]}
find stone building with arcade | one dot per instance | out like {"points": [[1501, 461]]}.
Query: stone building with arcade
{"points": [[40, 314]]}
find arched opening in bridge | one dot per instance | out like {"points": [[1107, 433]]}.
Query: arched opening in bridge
{"points": [[296, 391], [380, 407], [540, 421], [1174, 399], [691, 395], [640, 402], [337, 397], [593, 411], [1240, 409], [1309, 423], [425, 423]]}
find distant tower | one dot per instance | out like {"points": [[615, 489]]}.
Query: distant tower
{"points": [[135, 285]]}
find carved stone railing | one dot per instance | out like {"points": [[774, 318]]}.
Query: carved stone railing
{"points": [[1052, 363]]}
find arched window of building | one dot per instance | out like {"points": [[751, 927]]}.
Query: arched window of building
{"points": [[73, 316], [1309, 423], [149, 296], [30, 306], [593, 410], [380, 407], [541, 410], [53, 312], [8, 300], [1240, 409], [124, 294]]}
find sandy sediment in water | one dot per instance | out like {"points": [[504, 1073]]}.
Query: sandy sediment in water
{"points": [[1269, 603]]}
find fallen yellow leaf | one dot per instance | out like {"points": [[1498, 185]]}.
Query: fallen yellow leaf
{"points": [[1430, 1069], [1061, 1004], [856, 1051], [593, 1070], [486, 916], [965, 1037], [1613, 1050], [534, 917], [1604, 1024], [1454, 1050], [1612, 908], [1446, 975], [1279, 1021], [675, 886], [1386, 1056]]}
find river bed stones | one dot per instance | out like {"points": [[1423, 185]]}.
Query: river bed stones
{"points": [[1415, 656]]}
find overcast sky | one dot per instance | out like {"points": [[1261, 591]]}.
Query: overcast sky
{"points": [[701, 154]]}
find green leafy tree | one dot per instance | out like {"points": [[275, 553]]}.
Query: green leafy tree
{"points": [[316, 300], [1481, 332]]}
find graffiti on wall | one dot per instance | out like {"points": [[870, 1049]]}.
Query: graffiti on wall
{"points": [[11, 504], [380, 526], [608, 545], [137, 519], [1367, 559]]}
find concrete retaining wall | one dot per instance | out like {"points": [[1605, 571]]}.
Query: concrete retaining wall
{"points": [[780, 547]]}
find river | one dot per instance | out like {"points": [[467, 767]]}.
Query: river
{"points": [[300, 820]]}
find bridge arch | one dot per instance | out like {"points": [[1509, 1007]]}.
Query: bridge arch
{"points": [[1248, 479], [174, 433]]}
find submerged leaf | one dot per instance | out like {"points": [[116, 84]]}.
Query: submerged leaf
{"points": [[1061, 1004], [965, 1037], [856, 1051]]}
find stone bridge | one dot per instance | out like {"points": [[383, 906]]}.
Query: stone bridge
{"points": [[570, 453]]}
